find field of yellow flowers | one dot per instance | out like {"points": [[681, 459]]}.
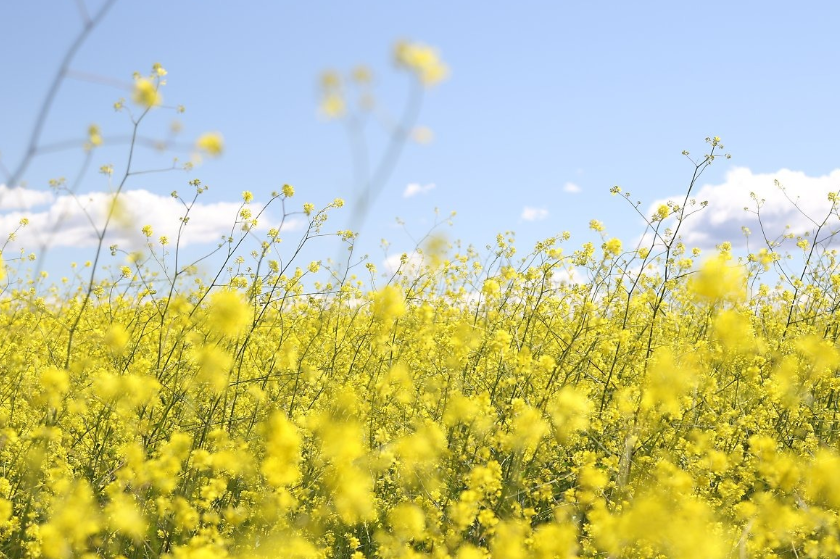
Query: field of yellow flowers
{"points": [[475, 406], [671, 404]]}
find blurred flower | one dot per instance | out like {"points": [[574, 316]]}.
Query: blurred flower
{"points": [[211, 143], [422, 60], [146, 93]]}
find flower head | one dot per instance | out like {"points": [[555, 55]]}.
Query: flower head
{"points": [[146, 93], [211, 143]]}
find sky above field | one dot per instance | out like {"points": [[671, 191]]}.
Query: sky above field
{"points": [[547, 105]]}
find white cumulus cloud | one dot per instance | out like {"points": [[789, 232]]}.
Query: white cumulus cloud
{"points": [[414, 189], [19, 198], [571, 188], [805, 198], [534, 214], [67, 221]]}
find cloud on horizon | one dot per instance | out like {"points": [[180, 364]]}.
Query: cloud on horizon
{"points": [[65, 221], [724, 217]]}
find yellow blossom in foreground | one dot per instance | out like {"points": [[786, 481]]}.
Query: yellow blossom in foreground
{"points": [[388, 303], [718, 281], [612, 247], [211, 143], [146, 93], [227, 313], [283, 442]]}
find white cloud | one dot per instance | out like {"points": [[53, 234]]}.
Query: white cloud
{"points": [[571, 188], [19, 198], [534, 214], [414, 189], [724, 217], [412, 266], [567, 275], [65, 221]]}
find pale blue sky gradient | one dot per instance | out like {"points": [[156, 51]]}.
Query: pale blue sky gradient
{"points": [[541, 94]]}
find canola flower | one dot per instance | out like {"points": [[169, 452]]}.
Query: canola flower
{"points": [[210, 143]]}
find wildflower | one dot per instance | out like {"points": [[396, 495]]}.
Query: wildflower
{"points": [[228, 313], [612, 247], [717, 281], [422, 60], [211, 143], [146, 93], [283, 443], [330, 80], [116, 337], [94, 135], [388, 303], [407, 521], [569, 410], [491, 288], [361, 74]]}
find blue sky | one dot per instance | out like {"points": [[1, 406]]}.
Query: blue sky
{"points": [[541, 96]]}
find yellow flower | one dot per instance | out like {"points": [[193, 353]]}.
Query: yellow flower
{"points": [[146, 93], [283, 444], [422, 60], [330, 80], [116, 337], [94, 135], [211, 143], [717, 281], [491, 288], [332, 105], [612, 247], [228, 313], [361, 74], [388, 303]]}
